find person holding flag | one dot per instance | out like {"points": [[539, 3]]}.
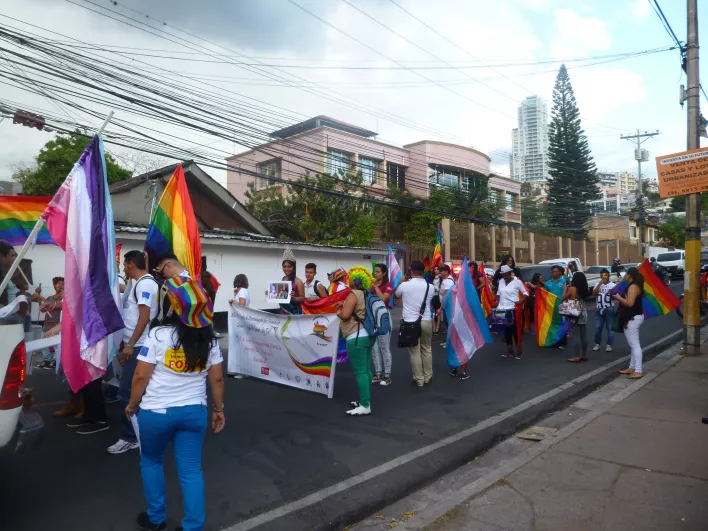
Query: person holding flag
{"points": [[512, 293]]}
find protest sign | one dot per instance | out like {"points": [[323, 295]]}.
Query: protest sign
{"points": [[294, 350]]}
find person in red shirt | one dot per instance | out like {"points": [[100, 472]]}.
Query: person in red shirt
{"points": [[381, 353]]}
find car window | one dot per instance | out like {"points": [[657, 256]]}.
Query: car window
{"points": [[529, 271], [668, 257], [594, 270]]}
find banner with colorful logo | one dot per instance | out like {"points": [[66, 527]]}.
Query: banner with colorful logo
{"points": [[293, 350]]}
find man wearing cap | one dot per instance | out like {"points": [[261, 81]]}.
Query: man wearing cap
{"points": [[512, 293]]}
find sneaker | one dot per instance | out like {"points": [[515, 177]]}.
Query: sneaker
{"points": [[376, 378], [518, 356], [145, 524], [237, 376], [596, 348], [453, 373], [561, 347], [77, 423], [417, 383], [359, 410], [121, 447], [386, 381], [507, 355], [464, 376], [608, 348], [91, 428], [443, 344]]}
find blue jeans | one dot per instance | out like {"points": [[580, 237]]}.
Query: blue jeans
{"points": [[604, 320], [126, 382], [185, 426]]}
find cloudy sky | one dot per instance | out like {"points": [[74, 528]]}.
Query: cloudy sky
{"points": [[484, 59]]}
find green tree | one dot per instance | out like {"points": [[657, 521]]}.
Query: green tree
{"points": [[573, 175], [533, 212], [54, 162], [673, 230]]}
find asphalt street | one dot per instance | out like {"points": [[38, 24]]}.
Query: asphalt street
{"points": [[281, 444]]}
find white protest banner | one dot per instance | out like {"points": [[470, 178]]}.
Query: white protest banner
{"points": [[294, 350]]}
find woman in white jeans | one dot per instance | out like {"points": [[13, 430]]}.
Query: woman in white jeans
{"points": [[631, 317], [381, 353]]}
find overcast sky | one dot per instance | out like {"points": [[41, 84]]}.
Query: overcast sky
{"points": [[479, 110]]}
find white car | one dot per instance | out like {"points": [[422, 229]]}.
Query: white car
{"points": [[673, 261], [12, 375], [564, 262]]}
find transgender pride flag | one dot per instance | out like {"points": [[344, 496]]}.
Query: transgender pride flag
{"points": [[467, 328], [395, 275], [80, 220]]}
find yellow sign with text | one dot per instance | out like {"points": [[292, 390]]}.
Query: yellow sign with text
{"points": [[683, 173]]}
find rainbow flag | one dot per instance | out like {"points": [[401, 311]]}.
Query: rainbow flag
{"points": [[427, 274], [19, 215], [437, 253], [487, 294], [550, 328], [173, 227], [327, 305], [658, 299]]}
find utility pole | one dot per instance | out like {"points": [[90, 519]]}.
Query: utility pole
{"points": [[691, 317], [640, 155]]}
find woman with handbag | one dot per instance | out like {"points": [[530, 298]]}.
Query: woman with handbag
{"points": [[631, 316], [511, 293], [573, 307]]}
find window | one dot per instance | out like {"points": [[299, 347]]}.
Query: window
{"points": [[632, 232], [509, 201], [268, 169], [337, 162], [368, 169], [494, 195], [396, 176], [668, 257]]}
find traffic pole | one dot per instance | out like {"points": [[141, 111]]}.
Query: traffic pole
{"points": [[691, 294]]}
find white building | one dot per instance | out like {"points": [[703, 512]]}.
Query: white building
{"points": [[627, 182], [529, 159]]}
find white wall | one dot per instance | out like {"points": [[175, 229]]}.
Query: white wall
{"points": [[260, 262]]}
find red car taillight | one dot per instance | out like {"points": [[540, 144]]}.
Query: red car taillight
{"points": [[11, 395]]}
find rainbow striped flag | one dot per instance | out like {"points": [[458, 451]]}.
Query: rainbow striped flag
{"points": [[437, 253], [19, 215], [658, 299], [173, 227], [550, 328], [427, 274], [487, 294], [327, 305]]}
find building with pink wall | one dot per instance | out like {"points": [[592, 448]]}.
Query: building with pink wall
{"points": [[325, 145]]}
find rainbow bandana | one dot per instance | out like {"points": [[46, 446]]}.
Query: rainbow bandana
{"points": [[190, 302]]}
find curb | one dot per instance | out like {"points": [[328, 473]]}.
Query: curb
{"points": [[383, 485]]}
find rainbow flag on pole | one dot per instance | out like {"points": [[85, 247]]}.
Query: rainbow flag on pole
{"points": [[427, 274], [550, 328], [487, 294], [437, 253], [18, 216], [658, 299], [173, 227]]}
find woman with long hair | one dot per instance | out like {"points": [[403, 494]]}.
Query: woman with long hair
{"points": [[536, 282], [359, 344], [631, 316], [168, 395], [297, 295], [579, 292], [381, 352]]}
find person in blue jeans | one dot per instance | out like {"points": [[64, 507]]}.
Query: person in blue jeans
{"points": [[168, 396], [605, 307]]}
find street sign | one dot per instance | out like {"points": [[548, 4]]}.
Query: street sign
{"points": [[683, 173]]}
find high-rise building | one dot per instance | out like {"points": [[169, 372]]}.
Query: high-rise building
{"points": [[529, 158], [627, 182]]}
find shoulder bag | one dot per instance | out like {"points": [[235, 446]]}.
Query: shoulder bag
{"points": [[409, 333]]}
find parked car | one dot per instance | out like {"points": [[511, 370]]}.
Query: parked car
{"points": [[528, 272], [564, 262], [674, 262], [592, 273]]}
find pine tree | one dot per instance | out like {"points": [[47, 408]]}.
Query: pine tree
{"points": [[573, 175]]}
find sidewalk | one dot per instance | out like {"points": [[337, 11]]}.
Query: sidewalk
{"points": [[633, 455]]}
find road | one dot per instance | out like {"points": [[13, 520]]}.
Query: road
{"points": [[280, 444]]}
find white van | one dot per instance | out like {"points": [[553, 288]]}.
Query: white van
{"points": [[674, 262]]}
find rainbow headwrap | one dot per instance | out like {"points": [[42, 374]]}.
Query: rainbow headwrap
{"points": [[360, 278], [190, 302], [338, 275]]}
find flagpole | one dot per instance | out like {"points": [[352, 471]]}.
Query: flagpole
{"points": [[36, 229]]}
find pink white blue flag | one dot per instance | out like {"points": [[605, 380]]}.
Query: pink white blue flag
{"points": [[80, 220], [467, 329], [395, 275]]}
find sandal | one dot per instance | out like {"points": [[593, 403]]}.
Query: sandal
{"points": [[577, 359], [634, 376], [626, 371]]}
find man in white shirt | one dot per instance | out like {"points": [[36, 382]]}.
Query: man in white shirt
{"points": [[313, 288], [413, 292], [605, 310], [446, 284], [140, 306]]}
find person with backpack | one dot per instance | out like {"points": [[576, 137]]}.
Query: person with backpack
{"points": [[314, 289], [381, 352], [353, 315], [141, 303]]}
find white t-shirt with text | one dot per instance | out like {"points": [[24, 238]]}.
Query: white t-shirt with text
{"points": [[412, 293], [509, 293], [171, 385], [604, 298], [146, 295]]}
